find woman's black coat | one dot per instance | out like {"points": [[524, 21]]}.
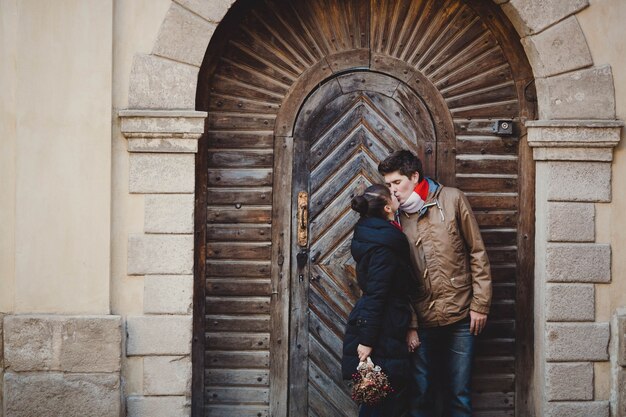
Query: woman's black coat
{"points": [[381, 316]]}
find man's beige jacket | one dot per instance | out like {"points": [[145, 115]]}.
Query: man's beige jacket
{"points": [[449, 257]]}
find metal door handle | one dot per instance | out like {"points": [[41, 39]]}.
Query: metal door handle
{"points": [[303, 218]]}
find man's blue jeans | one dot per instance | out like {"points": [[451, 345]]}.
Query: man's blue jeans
{"points": [[442, 369]]}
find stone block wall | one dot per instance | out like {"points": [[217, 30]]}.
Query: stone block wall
{"points": [[62, 365], [573, 175], [162, 146], [1, 364]]}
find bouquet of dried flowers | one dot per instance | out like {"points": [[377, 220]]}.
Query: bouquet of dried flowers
{"points": [[371, 384]]}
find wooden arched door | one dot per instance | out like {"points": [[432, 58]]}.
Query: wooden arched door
{"points": [[345, 129], [310, 96]]}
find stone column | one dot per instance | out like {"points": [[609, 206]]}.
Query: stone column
{"points": [[573, 161], [162, 146]]}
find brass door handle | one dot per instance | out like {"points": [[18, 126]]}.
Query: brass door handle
{"points": [[303, 218]]}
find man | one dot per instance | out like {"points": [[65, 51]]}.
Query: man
{"points": [[454, 285]]}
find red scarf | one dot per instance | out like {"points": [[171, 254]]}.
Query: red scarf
{"points": [[417, 199]]}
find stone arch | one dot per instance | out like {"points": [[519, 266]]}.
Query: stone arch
{"points": [[553, 39], [572, 142]]}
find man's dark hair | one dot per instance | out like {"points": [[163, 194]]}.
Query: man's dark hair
{"points": [[404, 161]]}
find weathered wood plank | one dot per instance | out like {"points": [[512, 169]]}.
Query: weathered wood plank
{"points": [[500, 328], [493, 400], [499, 236], [240, 197], [240, 395], [367, 82], [319, 405], [335, 320], [229, 377], [487, 183], [497, 74], [240, 287], [495, 93], [237, 269], [495, 347], [487, 145], [242, 71], [326, 336], [251, 323], [456, 74], [505, 218], [497, 413], [261, 177], [239, 250], [486, 165], [502, 254], [238, 305], [493, 201], [504, 291], [238, 232], [236, 410], [247, 214], [263, 139], [235, 104], [237, 341], [237, 359], [472, 42], [505, 109], [226, 85], [337, 393], [504, 273], [326, 363], [494, 365], [241, 158], [494, 382]]}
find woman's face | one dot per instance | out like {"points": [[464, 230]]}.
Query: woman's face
{"points": [[392, 207], [395, 204]]}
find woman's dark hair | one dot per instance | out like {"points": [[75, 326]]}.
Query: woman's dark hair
{"points": [[403, 161], [372, 202]]}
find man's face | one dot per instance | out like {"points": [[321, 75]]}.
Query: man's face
{"points": [[400, 185]]}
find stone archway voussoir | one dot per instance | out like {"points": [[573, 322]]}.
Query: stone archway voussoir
{"points": [[211, 10], [183, 36], [560, 48], [533, 16], [583, 94]]}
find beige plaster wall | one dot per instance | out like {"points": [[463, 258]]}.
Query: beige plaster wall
{"points": [[135, 27], [56, 240], [8, 33], [603, 25]]}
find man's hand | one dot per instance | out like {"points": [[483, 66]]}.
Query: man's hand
{"points": [[477, 322], [364, 352], [412, 340]]}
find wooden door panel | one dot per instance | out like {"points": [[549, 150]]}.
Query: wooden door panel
{"points": [[346, 140]]}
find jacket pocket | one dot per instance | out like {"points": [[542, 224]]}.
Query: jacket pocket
{"points": [[455, 238], [461, 281]]}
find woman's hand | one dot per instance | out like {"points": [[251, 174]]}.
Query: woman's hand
{"points": [[364, 352], [412, 340]]}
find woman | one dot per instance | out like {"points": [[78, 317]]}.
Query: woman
{"points": [[378, 324]]}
